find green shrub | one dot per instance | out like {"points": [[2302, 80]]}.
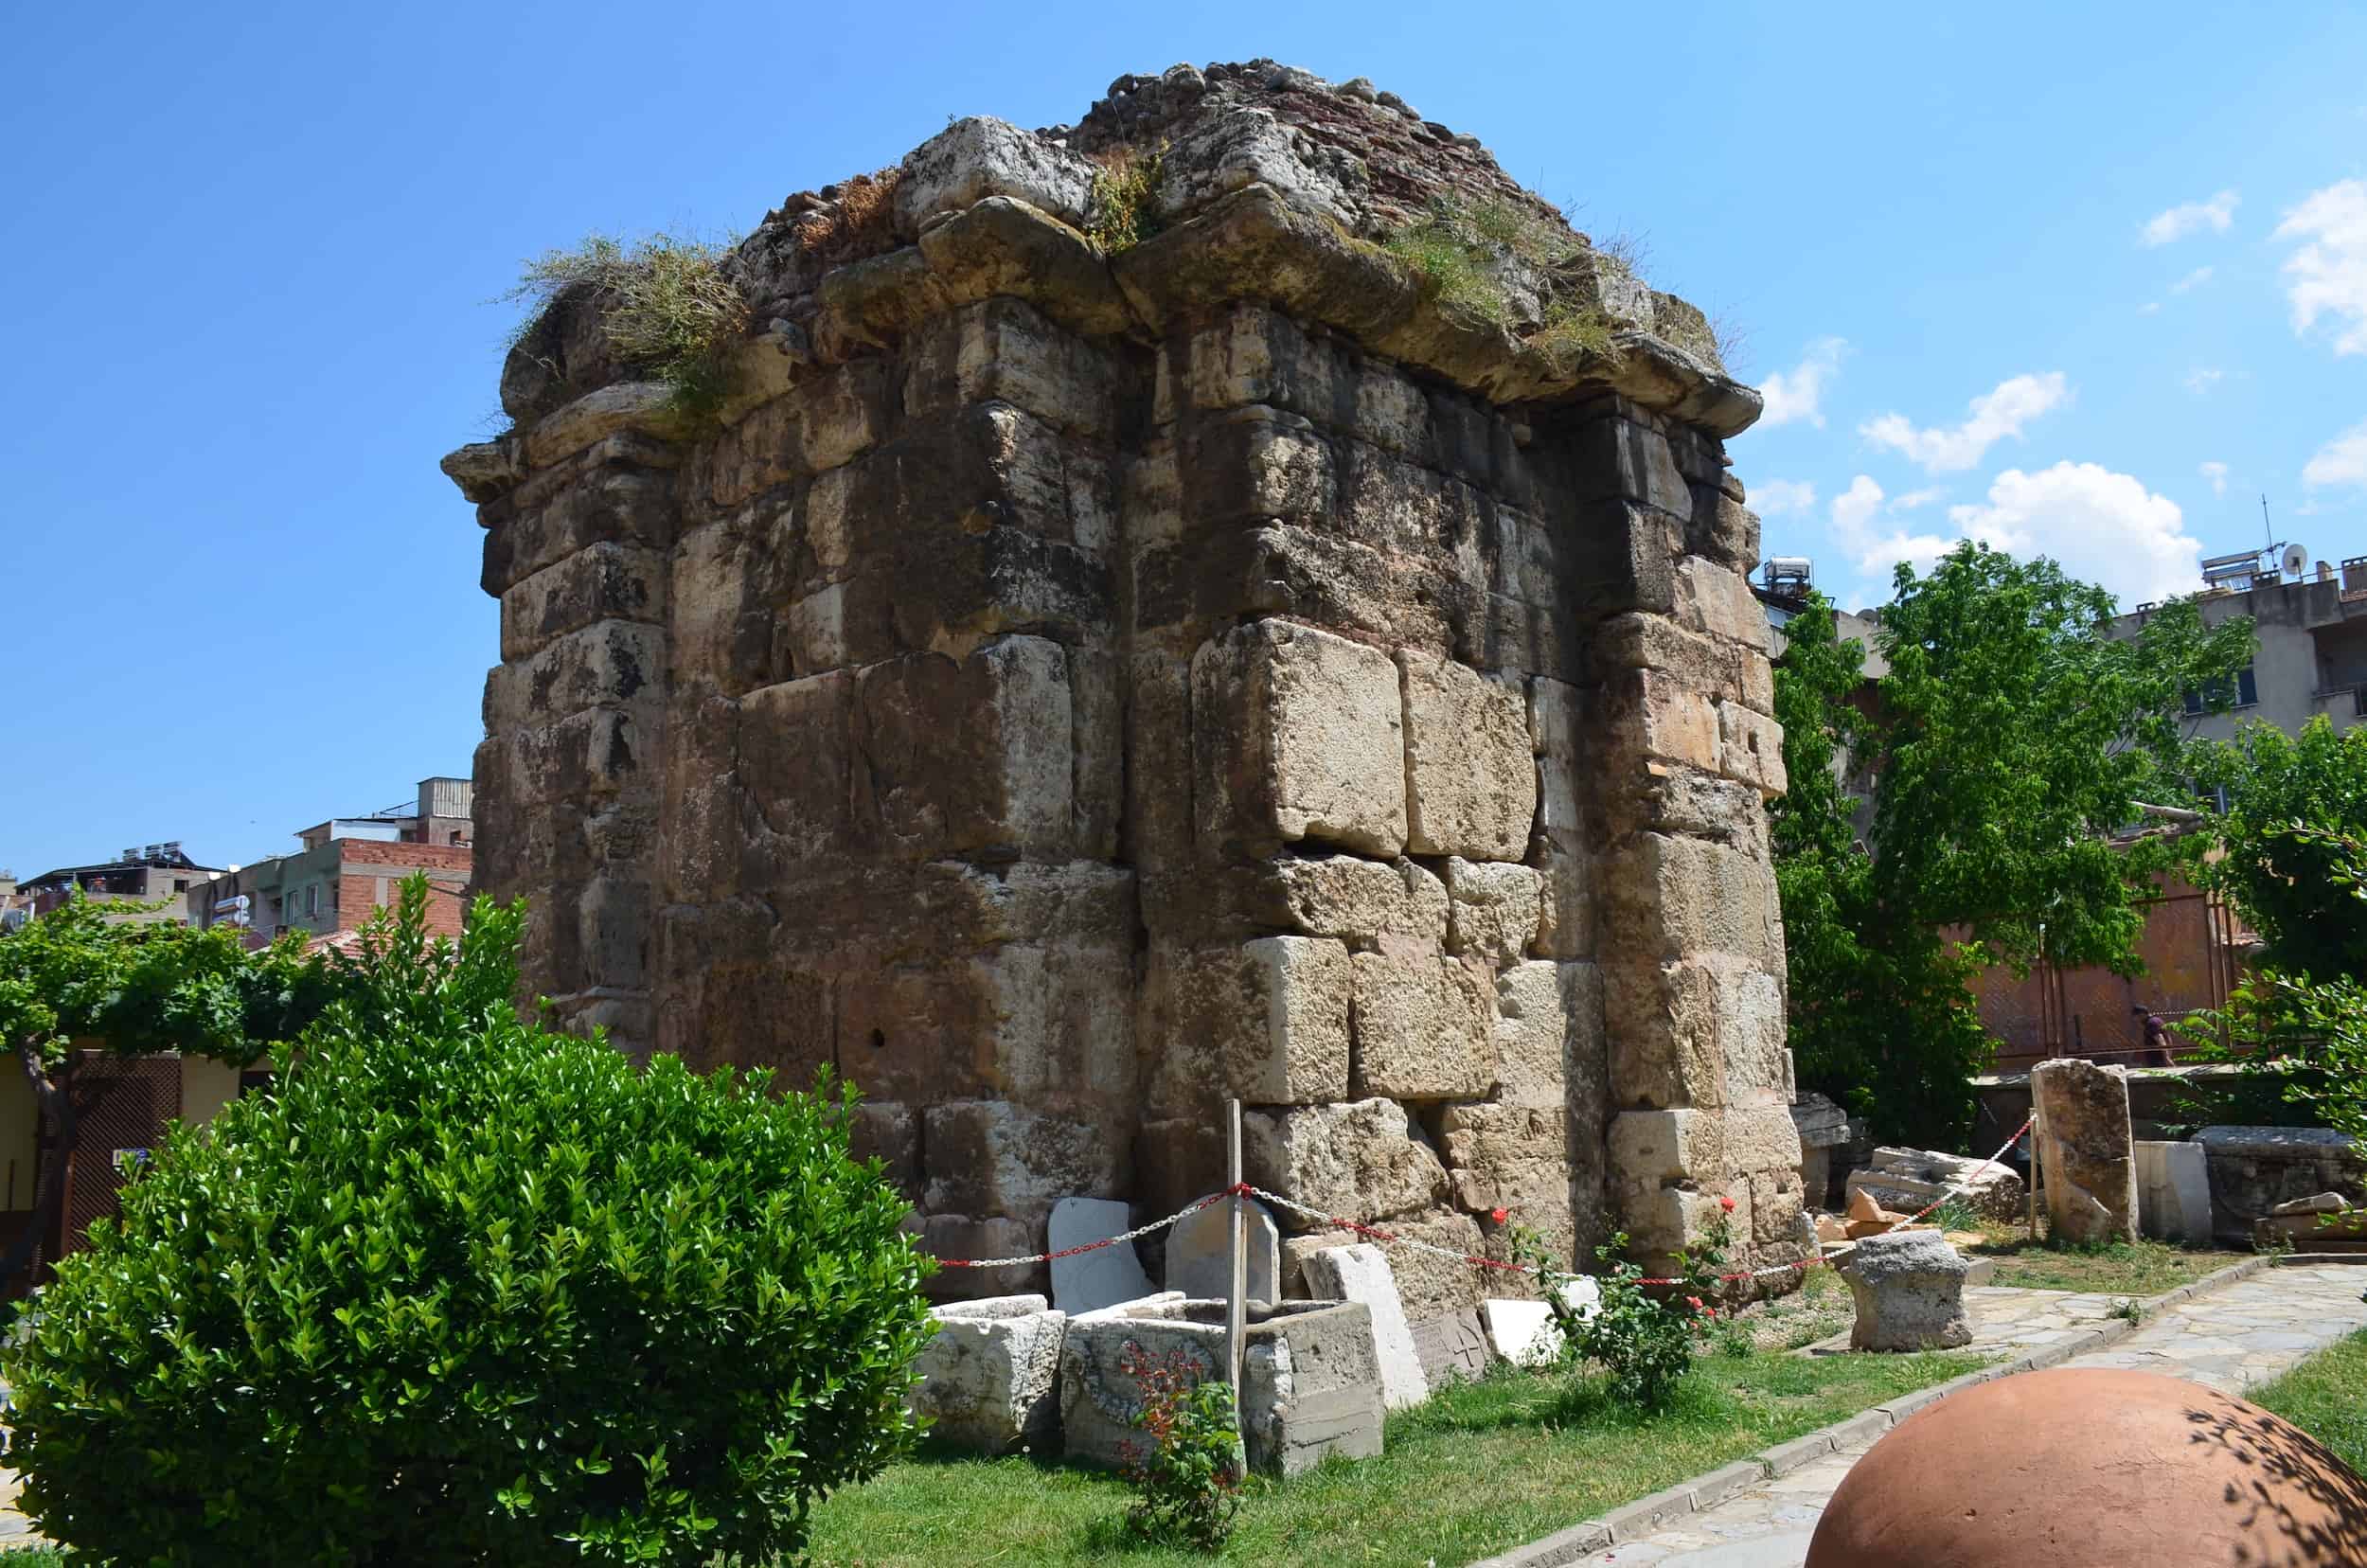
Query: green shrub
{"points": [[464, 1291], [1187, 1478], [1645, 1342], [1123, 211]]}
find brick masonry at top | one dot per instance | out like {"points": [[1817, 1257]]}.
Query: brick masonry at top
{"points": [[1063, 690]]}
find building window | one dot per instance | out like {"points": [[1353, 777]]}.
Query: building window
{"points": [[180, 884], [313, 901], [2243, 692]]}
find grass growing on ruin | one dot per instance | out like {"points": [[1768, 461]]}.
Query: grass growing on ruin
{"points": [[2320, 1395], [1484, 1465], [664, 302], [1121, 212], [1458, 251]]}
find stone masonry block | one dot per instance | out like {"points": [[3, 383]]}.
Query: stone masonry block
{"points": [[1004, 348], [1623, 455], [1718, 600], [1650, 717], [624, 506], [1297, 735], [1750, 749], [1556, 720], [1361, 1161], [1674, 895], [1565, 869], [605, 665], [1424, 1027], [1549, 1037], [1494, 909], [1255, 464], [1364, 900], [1471, 775], [988, 1157], [1707, 1030], [797, 752], [990, 1378], [968, 754], [1266, 1021], [610, 580], [1508, 1156], [827, 419], [980, 156]]}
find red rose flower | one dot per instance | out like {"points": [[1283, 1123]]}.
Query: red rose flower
{"points": [[1726, 1203], [1500, 1215], [1694, 1302]]}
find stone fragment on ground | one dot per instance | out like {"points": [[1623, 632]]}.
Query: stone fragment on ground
{"points": [[990, 1378], [1200, 1253], [2087, 1163], [1909, 1291], [1104, 1276], [1360, 1272]]}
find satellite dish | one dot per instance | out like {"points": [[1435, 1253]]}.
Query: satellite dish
{"points": [[2295, 561]]}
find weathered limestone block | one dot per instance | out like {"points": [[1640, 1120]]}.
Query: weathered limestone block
{"points": [[1200, 1253], [1670, 1169], [1424, 1026], [1909, 1291], [1750, 749], [990, 1157], [1495, 909], [1908, 1180], [1003, 350], [1364, 900], [647, 407], [1297, 735], [1706, 1030], [968, 755], [607, 581], [607, 664], [1359, 1161], [1359, 1273], [2174, 1191], [1675, 896], [1510, 1156], [1267, 1023], [989, 1380], [979, 156], [1309, 1383], [2086, 1163], [1471, 779], [1105, 1276]]}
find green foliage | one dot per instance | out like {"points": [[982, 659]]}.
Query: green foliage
{"points": [[463, 1290], [1644, 1342], [2007, 743], [83, 973], [666, 302], [2289, 886], [1460, 251], [1122, 210], [1187, 1478]]}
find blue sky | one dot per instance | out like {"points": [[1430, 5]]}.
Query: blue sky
{"points": [[248, 257]]}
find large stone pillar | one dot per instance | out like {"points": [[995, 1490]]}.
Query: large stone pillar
{"points": [[1072, 682]]}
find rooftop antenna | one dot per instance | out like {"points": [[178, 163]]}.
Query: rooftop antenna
{"points": [[2268, 537]]}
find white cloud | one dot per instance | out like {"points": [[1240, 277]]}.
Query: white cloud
{"points": [[1995, 415], [2102, 527], [2151, 307], [1856, 514], [1913, 499], [2217, 473], [2191, 218], [2201, 379], [2340, 461], [1782, 497], [2328, 275], [2200, 276], [1794, 394]]}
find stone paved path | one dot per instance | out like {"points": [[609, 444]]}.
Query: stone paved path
{"points": [[2228, 1339]]}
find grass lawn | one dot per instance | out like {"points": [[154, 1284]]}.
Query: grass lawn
{"points": [[1484, 1466], [2326, 1396], [2131, 1269]]}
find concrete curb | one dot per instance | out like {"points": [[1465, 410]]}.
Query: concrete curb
{"points": [[1646, 1514]]}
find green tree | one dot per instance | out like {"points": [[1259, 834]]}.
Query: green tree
{"points": [[2006, 743], [467, 1290], [82, 975], [2292, 887]]}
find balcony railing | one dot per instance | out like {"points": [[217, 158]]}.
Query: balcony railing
{"points": [[2352, 699]]}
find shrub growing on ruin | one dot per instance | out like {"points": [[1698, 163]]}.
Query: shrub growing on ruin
{"points": [[666, 303], [1643, 1337], [465, 1290], [1122, 210]]}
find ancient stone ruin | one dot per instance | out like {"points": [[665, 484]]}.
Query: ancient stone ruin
{"points": [[1232, 597]]}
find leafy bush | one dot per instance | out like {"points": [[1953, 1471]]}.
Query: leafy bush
{"points": [[464, 1291], [1188, 1477], [1122, 212], [1644, 1342]]}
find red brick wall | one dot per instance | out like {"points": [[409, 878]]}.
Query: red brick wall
{"points": [[361, 891]]}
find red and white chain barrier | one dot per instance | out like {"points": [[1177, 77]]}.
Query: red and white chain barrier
{"points": [[1393, 1238]]}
